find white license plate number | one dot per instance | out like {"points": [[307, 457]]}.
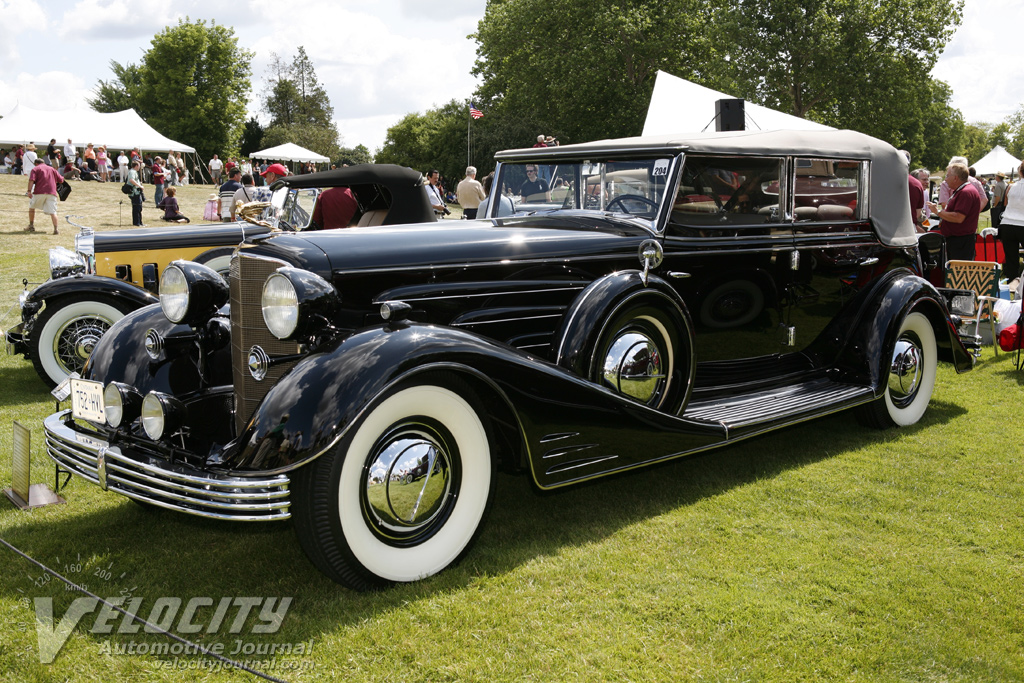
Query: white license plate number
{"points": [[87, 400]]}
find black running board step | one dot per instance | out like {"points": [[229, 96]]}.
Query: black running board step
{"points": [[778, 405]]}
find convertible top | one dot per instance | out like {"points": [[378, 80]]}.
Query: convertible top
{"points": [[889, 200], [409, 203]]}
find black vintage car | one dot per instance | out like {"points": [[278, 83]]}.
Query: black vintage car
{"points": [[643, 299], [112, 273]]}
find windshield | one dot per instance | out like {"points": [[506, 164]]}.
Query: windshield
{"points": [[634, 187]]}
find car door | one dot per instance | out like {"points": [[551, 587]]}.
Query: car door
{"points": [[728, 250]]}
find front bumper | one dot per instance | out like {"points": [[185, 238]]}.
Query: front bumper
{"points": [[175, 486], [14, 340]]}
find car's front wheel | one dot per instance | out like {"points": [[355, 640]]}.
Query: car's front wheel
{"points": [[911, 377], [363, 518], [66, 332]]}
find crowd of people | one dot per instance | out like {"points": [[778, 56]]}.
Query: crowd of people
{"points": [[961, 199]]}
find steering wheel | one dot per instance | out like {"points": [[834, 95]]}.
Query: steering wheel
{"points": [[620, 200]]}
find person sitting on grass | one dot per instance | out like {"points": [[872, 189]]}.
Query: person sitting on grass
{"points": [[169, 204]]}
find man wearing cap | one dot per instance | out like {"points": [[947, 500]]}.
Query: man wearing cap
{"points": [[273, 172], [998, 192], [42, 193]]}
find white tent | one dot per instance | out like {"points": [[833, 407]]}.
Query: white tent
{"points": [[289, 151], [997, 160], [117, 131], [679, 106]]}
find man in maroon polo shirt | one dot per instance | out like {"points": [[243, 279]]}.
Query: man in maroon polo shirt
{"points": [[42, 193], [960, 216]]}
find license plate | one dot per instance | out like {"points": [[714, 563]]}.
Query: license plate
{"points": [[87, 400]]}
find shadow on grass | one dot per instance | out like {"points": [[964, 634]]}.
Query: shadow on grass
{"points": [[22, 385], [161, 553]]}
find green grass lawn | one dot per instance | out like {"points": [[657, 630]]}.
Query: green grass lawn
{"points": [[825, 551]]}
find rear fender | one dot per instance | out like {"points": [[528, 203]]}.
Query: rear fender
{"points": [[858, 344]]}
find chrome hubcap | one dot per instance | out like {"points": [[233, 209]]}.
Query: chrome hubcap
{"points": [[408, 481], [633, 367], [904, 371]]}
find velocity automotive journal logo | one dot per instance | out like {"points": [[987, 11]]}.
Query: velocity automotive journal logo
{"points": [[236, 617]]}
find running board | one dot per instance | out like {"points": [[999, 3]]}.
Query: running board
{"points": [[771, 408]]}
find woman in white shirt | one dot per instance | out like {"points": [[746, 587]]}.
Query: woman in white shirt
{"points": [[1011, 229]]}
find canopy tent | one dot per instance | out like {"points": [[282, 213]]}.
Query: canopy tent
{"points": [[289, 151], [117, 131], [679, 106], [997, 160]]}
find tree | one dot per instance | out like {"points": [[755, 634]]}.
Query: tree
{"points": [[975, 144], [583, 71], [252, 137], [120, 93], [195, 83], [315, 138], [436, 139], [848, 63], [298, 106], [1015, 133], [353, 156]]}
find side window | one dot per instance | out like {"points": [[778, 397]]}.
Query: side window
{"points": [[826, 189], [728, 192]]}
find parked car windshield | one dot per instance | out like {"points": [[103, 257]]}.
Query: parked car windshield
{"points": [[633, 186]]}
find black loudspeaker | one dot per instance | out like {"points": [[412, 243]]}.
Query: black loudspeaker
{"points": [[729, 115]]}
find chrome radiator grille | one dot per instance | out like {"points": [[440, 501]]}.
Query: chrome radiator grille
{"points": [[246, 278]]}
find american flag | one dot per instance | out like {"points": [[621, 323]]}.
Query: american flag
{"points": [[474, 112]]}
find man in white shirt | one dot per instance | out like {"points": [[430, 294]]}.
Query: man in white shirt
{"points": [[434, 194], [29, 158], [215, 167], [122, 166], [470, 193], [70, 152]]}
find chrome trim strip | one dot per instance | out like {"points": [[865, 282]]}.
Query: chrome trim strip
{"points": [[557, 290], [474, 323]]}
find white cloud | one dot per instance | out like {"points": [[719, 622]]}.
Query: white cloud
{"points": [[15, 16], [979, 62], [49, 91]]}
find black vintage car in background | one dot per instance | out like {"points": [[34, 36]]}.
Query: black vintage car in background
{"points": [[112, 273], [643, 299]]}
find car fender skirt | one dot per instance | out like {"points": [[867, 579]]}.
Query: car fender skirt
{"points": [[568, 428], [860, 340], [93, 285]]}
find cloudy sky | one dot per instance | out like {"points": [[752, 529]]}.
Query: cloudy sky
{"points": [[378, 60]]}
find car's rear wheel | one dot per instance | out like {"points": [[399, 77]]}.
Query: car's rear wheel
{"points": [[911, 377], [362, 516], [66, 332]]}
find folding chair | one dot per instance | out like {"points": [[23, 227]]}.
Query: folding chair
{"points": [[972, 288]]}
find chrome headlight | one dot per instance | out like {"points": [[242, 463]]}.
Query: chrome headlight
{"points": [[161, 414], [298, 303], [121, 404], [190, 292], [280, 306]]}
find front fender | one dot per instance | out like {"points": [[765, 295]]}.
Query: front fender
{"points": [[121, 356], [558, 415], [126, 293]]}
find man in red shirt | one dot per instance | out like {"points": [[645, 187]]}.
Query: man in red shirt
{"points": [[335, 208], [44, 179], [960, 217]]}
